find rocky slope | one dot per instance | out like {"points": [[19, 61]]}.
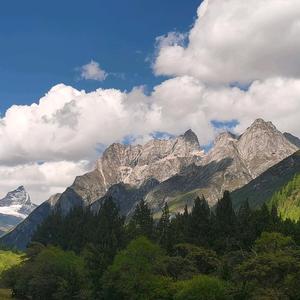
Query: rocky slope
{"points": [[232, 163], [261, 189], [14, 208], [173, 171], [133, 165]]}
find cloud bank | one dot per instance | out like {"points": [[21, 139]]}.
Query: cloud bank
{"points": [[236, 41]]}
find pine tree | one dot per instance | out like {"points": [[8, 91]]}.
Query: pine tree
{"points": [[109, 234], [225, 223], [245, 226], [141, 223], [164, 229], [199, 222]]}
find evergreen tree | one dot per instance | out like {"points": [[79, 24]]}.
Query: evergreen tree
{"points": [[245, 228], [141, 223], [199, 222], [164, 229], [262, 220], [109, 234], [225, 223]]}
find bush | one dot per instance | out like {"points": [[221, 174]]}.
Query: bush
{"points": [[202, 287]]}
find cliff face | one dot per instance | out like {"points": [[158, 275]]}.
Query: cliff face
{"points": [[133, 165], [231, 163]]}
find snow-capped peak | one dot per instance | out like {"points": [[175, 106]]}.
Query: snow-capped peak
{"points": [[17, 203], [18, 196]]}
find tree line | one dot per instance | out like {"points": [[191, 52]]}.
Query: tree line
{"points": [[203, 253]]}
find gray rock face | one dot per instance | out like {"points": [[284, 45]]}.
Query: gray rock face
{"points": [[262, 146], [133, 165], [232, 163]]}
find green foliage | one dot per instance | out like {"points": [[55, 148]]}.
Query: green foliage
{"points": [[165, 230], [202, 254], [202, 287], [9, 259], [273, 269], [50, 274], [205, 261], [199, 222], [287, 200], [141, 223], [135, 274]]}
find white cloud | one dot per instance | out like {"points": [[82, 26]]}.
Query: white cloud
{"points": [[41, 180], [93, 71], [236, 41], [67, 126]]}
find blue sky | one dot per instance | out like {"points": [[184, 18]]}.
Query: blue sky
{"points": [[42, 43]]}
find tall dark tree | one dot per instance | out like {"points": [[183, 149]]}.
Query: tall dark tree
{"points": [[225, 223], [262, 219], [199, 222], [141, 223], [164, 230], [245, 226]]}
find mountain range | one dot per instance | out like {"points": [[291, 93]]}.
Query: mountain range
{"points": [[176, 171]]}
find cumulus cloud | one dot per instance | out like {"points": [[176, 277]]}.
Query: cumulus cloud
{"points": [[41, 180], [236, 41], [68, 126], [93, 71]]}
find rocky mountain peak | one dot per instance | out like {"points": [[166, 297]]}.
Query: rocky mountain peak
{"points": [[191, 137], [262, 146], [19, 196], [224, 138], [134, 164]]}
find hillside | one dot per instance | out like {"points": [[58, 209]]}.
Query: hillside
{"points": [[262, 188], [287, 200]]}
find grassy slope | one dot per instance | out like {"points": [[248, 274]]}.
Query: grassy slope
{"points": [[8, 259], [261, 189], [287, 200]]}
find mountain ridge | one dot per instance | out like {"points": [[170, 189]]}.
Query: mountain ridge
{"points": [[179, 169]]}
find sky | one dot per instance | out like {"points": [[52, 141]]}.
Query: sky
{"points": [[76, 76], [44, 42]]}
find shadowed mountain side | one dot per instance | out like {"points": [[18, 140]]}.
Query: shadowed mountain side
{"points": [[68, 200], [21, 235], [292, 139], [195, 180], [261, 189], [126, 196]]}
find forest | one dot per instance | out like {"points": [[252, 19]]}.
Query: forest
{"points": [[199, 254]]}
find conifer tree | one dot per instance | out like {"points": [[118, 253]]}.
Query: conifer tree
{"points": [[141, 223], [225, 223], [245, 226], [164, 229], [199, 222]]}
